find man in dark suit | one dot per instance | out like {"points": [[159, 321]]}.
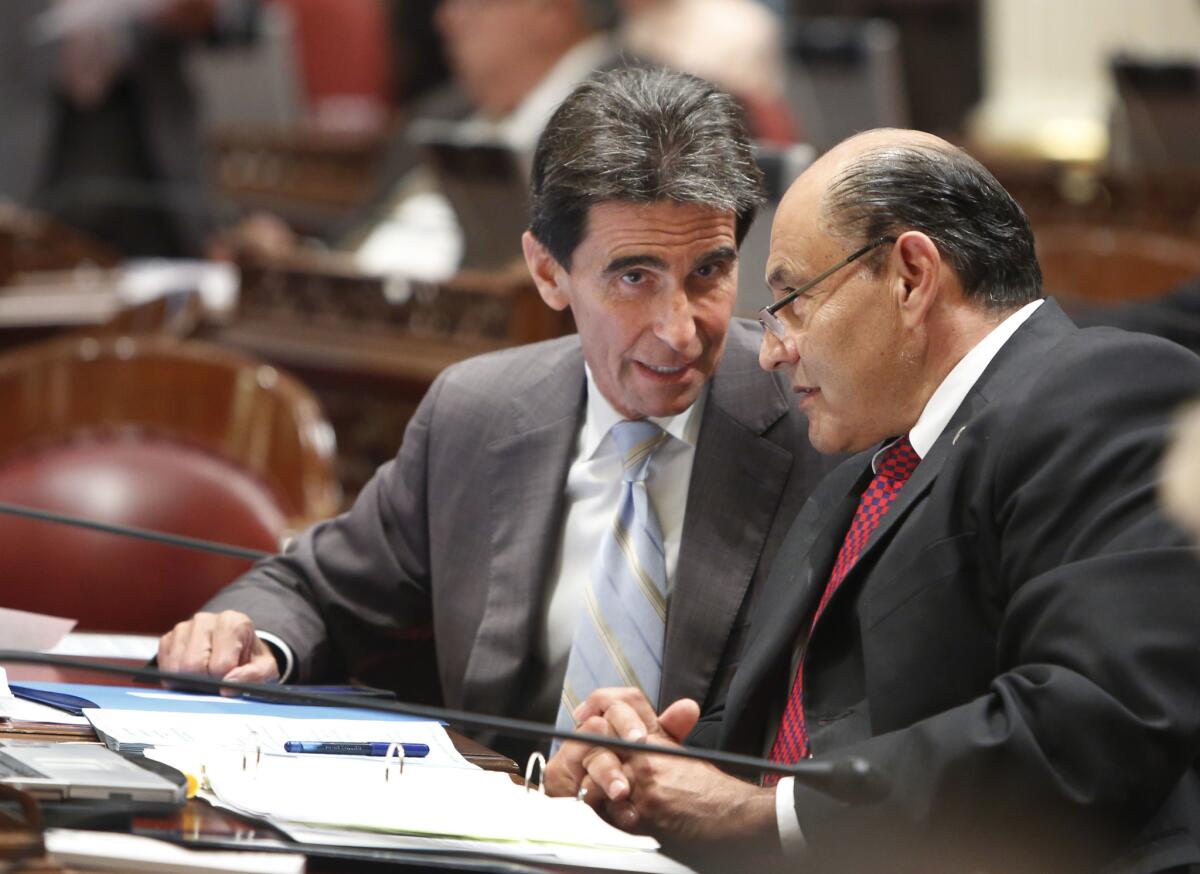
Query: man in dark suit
{"points": [[483, 530], [103, 126], [986, 603]]}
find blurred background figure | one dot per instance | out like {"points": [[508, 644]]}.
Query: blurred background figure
{"points": [[736, 44], [379, 148], [103, 127], [511, 63]]}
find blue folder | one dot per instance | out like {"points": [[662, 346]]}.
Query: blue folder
{"points": [[74, 697]]}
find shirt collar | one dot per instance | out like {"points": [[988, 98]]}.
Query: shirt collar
{"points": [[600, 417], [949, 395]]}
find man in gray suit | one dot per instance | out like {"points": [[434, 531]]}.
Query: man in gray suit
{"points": [[486, 526]]}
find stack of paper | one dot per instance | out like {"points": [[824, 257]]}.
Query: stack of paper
{"points": [[129, 731], [132, 719], [109, 851], [475, 811], [28, 717]]}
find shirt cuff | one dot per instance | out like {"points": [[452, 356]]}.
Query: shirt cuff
{"points": [[791, 838], [282, 652]]}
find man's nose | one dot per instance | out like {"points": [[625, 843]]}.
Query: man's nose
{"points": [[676, 322], [775, 353]]}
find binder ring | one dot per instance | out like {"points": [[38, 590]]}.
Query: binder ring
{"points": [[257, 754], [395, 752], [536, 758]]}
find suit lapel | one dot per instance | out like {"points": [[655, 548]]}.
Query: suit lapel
{"points": [[1049, 320], [528, 464], [789, 596], [737, 479], [737, 482]]}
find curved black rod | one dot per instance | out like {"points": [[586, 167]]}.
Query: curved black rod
{"points": [[852, 780], [139, 533]]}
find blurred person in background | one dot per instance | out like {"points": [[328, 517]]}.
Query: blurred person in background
{"points": [[511, 62], [103, 126], [735, 44]]}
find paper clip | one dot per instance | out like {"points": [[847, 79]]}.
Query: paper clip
{"points": [[536, 758], [394, 750]]}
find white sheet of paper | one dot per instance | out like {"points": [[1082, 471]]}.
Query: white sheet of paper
{"points": [[113, 851], [579, 857], [19, 710], [367, 795], [20, 629], [249, 733], [107, 646]]}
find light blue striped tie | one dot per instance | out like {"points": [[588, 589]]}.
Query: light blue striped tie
{"points": [[619, 638]]}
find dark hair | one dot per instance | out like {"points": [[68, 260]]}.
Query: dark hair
{"points": [[640, 135], [948, 195]]}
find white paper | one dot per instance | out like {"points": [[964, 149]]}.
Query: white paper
{"points": [[161, 729], [147, 279], [369, 795], [113, 851], [579, 857], [20, 629], [141, 647], [19, 710]]}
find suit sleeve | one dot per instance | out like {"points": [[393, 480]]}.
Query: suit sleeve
{"points": [[1091, 719], [347, 586]]}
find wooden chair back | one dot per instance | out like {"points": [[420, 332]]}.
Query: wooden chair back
{"points": [[180, 437]]}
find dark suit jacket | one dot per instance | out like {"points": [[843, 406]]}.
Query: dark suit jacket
{"points": [[1018, 648], [459, 532]]}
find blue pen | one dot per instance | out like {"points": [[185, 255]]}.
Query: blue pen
{"points": [[370, 748]]}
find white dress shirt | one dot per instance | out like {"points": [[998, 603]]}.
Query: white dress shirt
{"points": [[593, 491], [938, 412]]}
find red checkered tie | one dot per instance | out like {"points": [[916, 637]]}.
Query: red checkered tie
{"points": [[895, 467]]}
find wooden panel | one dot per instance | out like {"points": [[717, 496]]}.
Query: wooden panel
{"points": [[370, 347], [1112, 264]]}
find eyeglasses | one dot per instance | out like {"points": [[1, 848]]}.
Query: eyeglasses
{"points": [[775, 325]]}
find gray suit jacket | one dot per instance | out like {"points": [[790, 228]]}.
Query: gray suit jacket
{"points": [[457, 535]]}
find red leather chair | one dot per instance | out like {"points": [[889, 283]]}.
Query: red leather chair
{"points": [[181, 437]]}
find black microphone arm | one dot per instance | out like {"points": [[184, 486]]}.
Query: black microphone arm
{"points": [[852, 780], [136, 533]]}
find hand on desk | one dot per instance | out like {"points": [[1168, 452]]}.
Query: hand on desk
{"points": [[676, 800], [220, 644]]}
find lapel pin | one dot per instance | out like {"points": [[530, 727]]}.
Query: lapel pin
{"points": [[958, 434]]}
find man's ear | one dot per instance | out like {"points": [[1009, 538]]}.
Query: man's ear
{"points": [[918, 270], [548, 275]]}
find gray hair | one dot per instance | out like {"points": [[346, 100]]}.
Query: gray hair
{"points": [[640, 135], [952, 198]]}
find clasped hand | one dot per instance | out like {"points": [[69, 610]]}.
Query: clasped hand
{"points": [[673, 798]]}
